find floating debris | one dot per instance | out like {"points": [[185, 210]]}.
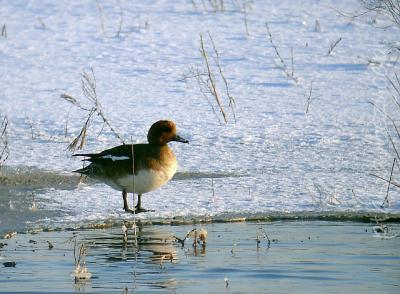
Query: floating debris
{"points": [[203, 236], [51, 246], [11, 205], [262, 233], [81, 273], [10, 264], [34, 207], [381, 229], [226, 280], [10, 235], [332, 200]]}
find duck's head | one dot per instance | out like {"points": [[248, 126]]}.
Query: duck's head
{"points": [[162, 132]]}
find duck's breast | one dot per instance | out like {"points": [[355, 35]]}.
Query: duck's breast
{"points": [[149, 179]]}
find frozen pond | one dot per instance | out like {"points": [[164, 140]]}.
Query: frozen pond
{"points": [[279, 156]]}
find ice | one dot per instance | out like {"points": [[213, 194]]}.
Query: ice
{"points": [[290, 161]]}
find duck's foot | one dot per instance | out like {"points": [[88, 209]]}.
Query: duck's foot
{"points": [[127, 209], [139, 210]]}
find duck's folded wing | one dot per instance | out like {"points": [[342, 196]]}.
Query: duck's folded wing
{"points": [[122, 152]]}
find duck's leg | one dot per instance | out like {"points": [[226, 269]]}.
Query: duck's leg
{"points": [[138, 207], [126, 206]]}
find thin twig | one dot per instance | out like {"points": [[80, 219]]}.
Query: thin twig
{"points": [[386, 200], [388, 116], [133, 192], [282, 65], [211, 78], [4, 31], [232, 101], [309, 98], [393, 145], [89, 89], [5, 150], [393, 183], [121, 20], [333, 45], [292, 61], [100, 9], [245, 17]]}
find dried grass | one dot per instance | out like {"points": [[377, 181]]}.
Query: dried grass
{"points": [[89, 90], [282, 64], [4, 147], [395, 84], [210, 79]]}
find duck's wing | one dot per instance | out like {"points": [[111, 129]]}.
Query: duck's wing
{"points": [[119, 159], [122, 152]]}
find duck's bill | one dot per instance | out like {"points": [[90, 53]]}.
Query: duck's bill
{"points": [[180, 139]]}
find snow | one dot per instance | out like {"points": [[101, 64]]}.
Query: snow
{"points": [[289, 160]]}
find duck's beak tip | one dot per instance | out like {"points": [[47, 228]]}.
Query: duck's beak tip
{"points": [[180, 139]]}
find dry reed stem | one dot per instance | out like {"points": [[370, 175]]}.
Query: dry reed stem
{"points": [[387, 116], [204, 88], [244, 9], [386, 200], [4, 147], [133, 193], [89, 89], [4, 31], [393, 183], [261, 230], [232, 101], [390, 8], [283, 66], [211, 79], [333, 46], [309, 97], [121, 20], [208, 81], [100, 10]]}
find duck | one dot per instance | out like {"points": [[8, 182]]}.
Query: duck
{"points": [[151, 166]]}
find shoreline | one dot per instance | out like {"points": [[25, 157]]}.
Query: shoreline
{"points": [[328, 216]]}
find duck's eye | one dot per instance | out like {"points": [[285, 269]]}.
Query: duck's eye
{"points": [[166, 129]]}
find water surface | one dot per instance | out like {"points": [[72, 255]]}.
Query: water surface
{"points": [[303, 257]]}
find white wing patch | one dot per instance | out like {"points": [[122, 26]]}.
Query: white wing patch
{"points": [[115, 158]]}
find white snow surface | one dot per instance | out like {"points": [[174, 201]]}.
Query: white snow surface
{"points": [[275, 157]]}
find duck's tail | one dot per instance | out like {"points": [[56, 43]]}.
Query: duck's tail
{"points": [[90, 155], [83, 171]]}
